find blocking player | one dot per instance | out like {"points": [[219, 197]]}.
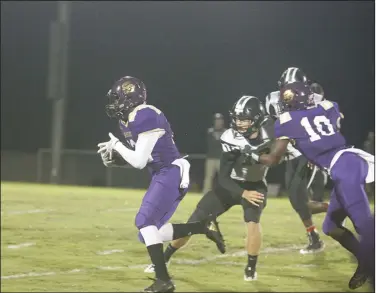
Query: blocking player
{"points": [[315, 132], [149, 143], [240, 181], [317, 186], [296, 176]]}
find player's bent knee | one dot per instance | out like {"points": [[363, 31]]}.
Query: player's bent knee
{"points": [[252, 217], [198, 215]]}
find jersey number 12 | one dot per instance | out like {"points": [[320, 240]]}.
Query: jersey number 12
{"points": [[318, 121]]}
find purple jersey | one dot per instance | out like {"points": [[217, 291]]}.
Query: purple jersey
{"points": [[147, 118], [314, 132]]}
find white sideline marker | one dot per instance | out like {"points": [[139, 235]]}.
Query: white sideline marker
{"points": [[27, 244]]}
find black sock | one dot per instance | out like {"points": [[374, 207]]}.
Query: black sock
{"points": [[170, 250], [156, 256], [348, 241], [252, 261], [188, 229]]}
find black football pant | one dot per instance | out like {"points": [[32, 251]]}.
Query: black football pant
{"points": [[296, 180], [219, 200]]}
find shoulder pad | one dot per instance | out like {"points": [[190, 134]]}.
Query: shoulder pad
{"points": [[152, 109], [284, 117], [145, 118], [228, 136]]}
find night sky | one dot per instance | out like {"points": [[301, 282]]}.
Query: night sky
{"points": [[196, 59]]}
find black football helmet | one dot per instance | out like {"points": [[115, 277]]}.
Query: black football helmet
{"points": [[248, 108], [126, 94], [296, 96], [290, 75], [317, 88]]}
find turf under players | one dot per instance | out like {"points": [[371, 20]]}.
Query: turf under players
{"points": [[240, 182], [149, 143], [296, 176], [315, 132]]}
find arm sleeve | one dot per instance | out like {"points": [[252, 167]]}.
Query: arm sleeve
{"points": [[143, 149], [226, 164]]}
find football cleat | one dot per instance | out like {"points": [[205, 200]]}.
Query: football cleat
{"points": [[250, 274], [160, 286], [315, 245], [358, 279], [214, 234], [150, 268]]}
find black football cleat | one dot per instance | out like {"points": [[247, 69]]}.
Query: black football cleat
{"points": [[358, 279], [250, 274], [160, 286], [215, 235], [315, 244]]}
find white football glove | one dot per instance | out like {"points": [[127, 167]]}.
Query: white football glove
{"points": [[106, 159], [106, 148], [109, 145]]}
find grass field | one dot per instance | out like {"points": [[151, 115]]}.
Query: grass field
{"points": [[58, 238]]}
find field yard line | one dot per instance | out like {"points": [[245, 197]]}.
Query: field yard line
{"points": [[27, 244], [241, 264], [122, 210], [38, 211], [107, 252], [28, 275], [268, 250]]}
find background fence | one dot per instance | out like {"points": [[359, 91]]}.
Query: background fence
{"points": [[85, 167]]}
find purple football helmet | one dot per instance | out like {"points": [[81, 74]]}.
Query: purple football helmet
{"points": [[296, 96], [126, 94]]}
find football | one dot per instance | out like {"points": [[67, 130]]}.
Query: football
{"points": [[118, 159]]}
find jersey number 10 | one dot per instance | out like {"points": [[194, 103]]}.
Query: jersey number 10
{"points": [[318, 121]]}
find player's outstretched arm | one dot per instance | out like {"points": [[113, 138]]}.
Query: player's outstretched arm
{"points": [[276, 154], [143, 149]]}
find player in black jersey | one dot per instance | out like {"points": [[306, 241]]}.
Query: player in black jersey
{"points": [[241, 182]]}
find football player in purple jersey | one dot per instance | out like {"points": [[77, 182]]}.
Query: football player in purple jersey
{"points": [[297, 171], [315, 131], [150, 143]]}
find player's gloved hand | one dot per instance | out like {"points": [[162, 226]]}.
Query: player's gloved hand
{"points": [[106, 159], [254, 197], [247, 150], [109, 145]]}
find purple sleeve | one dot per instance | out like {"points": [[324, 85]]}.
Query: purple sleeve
{"points": [[146, 119]]}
